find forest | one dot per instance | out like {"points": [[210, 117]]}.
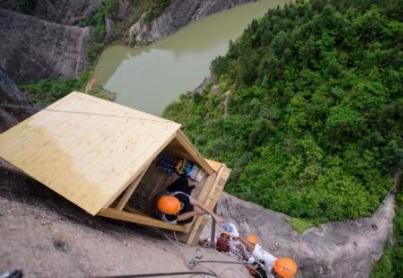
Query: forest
{"points": [[306, 108]]}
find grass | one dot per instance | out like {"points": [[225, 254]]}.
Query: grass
{"points": [[300, 225], [50, 90]]}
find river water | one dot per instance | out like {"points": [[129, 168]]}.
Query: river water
{"points": [[151, 77]]}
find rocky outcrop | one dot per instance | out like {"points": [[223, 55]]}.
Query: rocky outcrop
{"points": [[65, 11], [60, 11], [124, 8], [333, 250], [33, 49], [176, 15], [109, 30], [12, 103]]}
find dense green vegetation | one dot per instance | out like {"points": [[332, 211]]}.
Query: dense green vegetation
{"points": [[97, 24], [390, 265], [308, 112], [299, 225], [27, 6], [48, 91]]}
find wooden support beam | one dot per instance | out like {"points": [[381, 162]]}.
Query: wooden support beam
{"points": [[201, 197], [212, 234], [198, 158], [210, 202], [129, 191], [140, 219], [214, 164]]}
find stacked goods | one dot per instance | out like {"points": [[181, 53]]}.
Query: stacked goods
{"points": [[173, 166]]}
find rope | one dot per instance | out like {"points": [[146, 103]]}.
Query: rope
{"points": [[222, 262], [160, 274], [81, 112]]}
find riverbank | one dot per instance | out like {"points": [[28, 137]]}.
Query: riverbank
{"points": [[104, 22], [149, 78]]}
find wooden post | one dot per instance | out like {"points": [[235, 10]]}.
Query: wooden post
{"points": [[198, 158], [212, 237], [129, 191]]}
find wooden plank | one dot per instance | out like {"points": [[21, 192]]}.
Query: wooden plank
{"points": [[86, 149], [129, 191], [133, 210], [139, 219], [201, 197], [214, 164], [201, 220], [198, 158], [210, 202]]}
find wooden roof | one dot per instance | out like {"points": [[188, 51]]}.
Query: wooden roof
{"points": [[86, 149]]}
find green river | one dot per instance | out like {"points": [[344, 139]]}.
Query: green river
{"points": [[151, 77]]}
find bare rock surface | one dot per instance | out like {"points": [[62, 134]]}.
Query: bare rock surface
{"points": [[47, 236], [11, 100], [176, 15], [33, 49], [60, 11], [333, 250], [124, 8]]}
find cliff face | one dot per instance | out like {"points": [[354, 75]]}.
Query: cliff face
{"points": [[69, 245], [333, 250], [33, 49], [45, 46], [176, 15], [59, 11], [67, 242], [10, 98]]}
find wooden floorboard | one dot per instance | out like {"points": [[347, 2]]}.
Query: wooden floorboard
{"points": [[140, 219]]}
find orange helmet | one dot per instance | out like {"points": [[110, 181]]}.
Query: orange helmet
{"points": [[285, 267], [169, 205], [226, 234], [252, 239]]}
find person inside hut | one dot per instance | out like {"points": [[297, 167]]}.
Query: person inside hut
{"points": [[176, 206]]}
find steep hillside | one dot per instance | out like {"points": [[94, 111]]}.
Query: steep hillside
{"points": [[33, 49], [59, 11], [57, 42], [307, 109]]}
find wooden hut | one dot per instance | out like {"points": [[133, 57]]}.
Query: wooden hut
{"points": [[103, 157]]}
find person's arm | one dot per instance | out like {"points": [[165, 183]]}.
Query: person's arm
{"points": [[186, 215], [205, 209], [249, 246]]}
